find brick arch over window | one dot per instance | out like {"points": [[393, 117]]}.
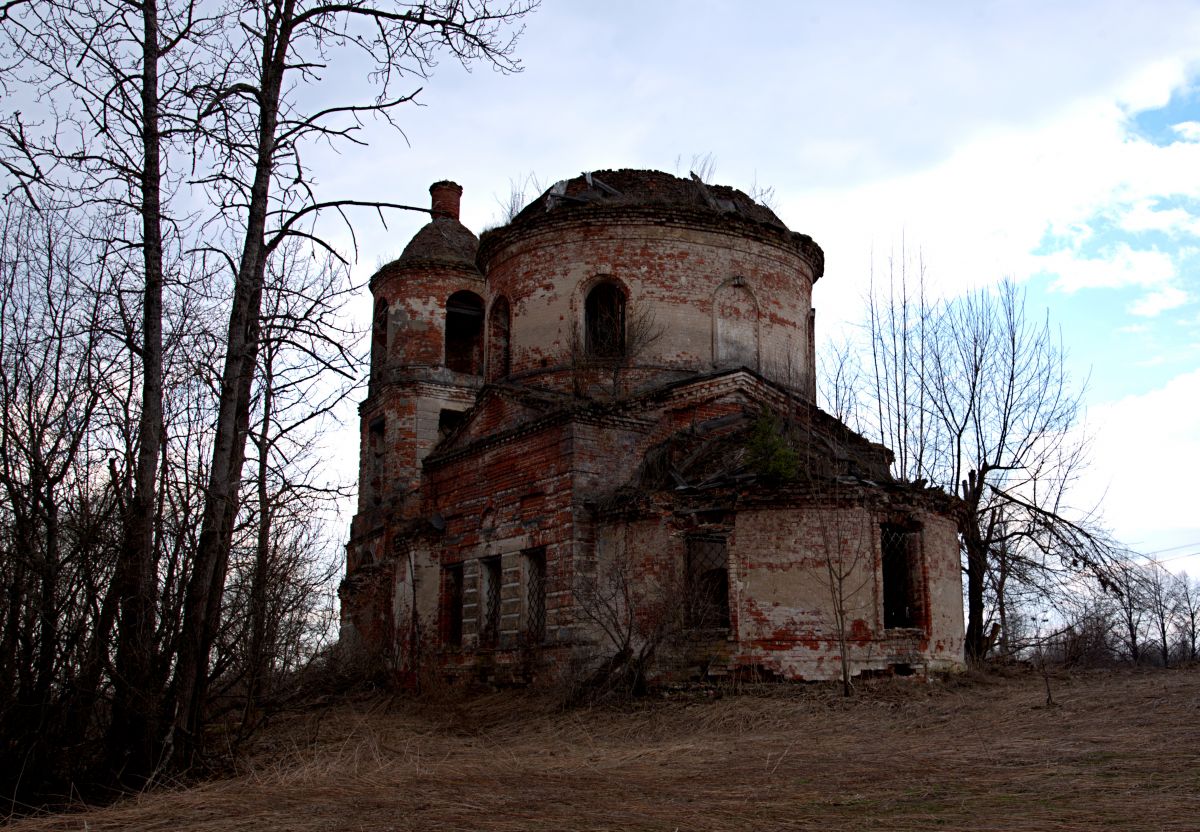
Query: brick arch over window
{"points": [[464, 333], [604, 320], [499, 347], [735, 325]]}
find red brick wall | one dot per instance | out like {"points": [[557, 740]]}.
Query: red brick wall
{"points": [[417, 310], [671, 271]]}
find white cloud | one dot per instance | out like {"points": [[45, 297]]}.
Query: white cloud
{"points": [[1159, 301], [1119, 266], [984, 209], [1188, 130], [1143, 450], [1143, 216]]}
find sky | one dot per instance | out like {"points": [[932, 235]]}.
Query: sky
{"points": [[1055, 143]]}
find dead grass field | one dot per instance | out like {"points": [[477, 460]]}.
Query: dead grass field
{"points": [[1118, 751]]}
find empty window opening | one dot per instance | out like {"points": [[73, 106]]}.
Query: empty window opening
{"points": [[464, 333], [499, 343], [379, 327], [452, 604], [707, 583], [901, 552], [604, 319], [535, 595], [490, 633], [448, 420], [375, 457]]}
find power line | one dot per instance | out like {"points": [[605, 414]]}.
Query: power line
{"points": [[1178, 557], [1169, 549]]}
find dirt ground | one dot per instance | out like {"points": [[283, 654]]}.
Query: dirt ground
{"points": [[1117, 750]]}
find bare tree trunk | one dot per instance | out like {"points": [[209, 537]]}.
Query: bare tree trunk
{"points": [[202, 606], [976, 552], [134, 733], [257, 660]]}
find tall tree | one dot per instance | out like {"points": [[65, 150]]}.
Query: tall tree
{"points": [[55, 556], [1189, 617], [257, 126], [973, 395], [147, 107], [117, 77], [1162, 597]]}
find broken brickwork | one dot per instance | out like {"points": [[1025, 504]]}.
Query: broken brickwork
{"points": [[558, 462]]}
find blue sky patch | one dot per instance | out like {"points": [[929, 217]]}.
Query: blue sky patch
{"points": [[1157, 126]]}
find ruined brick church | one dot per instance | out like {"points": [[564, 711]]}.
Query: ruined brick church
{"points": [[593, 433]]}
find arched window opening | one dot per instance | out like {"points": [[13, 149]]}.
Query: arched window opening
{"points": [[604, 320], [464, 333], [735, 326], [499, 343], [379, 327]]}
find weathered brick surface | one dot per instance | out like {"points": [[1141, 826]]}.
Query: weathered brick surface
{"points": [[605, 469], [678, 280]]}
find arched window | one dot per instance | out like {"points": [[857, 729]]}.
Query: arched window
{"points": [[604, 321], [379, 327], [464, 333], [499, 344], [735, 326]]}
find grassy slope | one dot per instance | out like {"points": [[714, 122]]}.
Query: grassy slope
{"points": [[1119, 751]]}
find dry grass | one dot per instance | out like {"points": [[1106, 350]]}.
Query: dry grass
{"points": [[1119, 751]]}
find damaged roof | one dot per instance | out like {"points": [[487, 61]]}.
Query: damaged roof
{"points": [[647, 187], [640, 190], [444, 241]]}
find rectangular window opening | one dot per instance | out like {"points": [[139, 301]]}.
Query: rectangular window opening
{"points": [[464, 333], [707, 603], [901, 551], [490, 634], [535, 595], [448, 420]]}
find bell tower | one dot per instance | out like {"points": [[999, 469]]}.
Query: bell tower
{"points": [[427, 338]]}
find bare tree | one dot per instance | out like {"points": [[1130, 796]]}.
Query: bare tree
{"points": [[116, 78], [1161, 592], [519, 191], [842, 382], [257, 127], [1189, 616], [616, 340], [847, 537], [1129, 584], [973, 395], [143, 106], [56, 550], [634, 616], [1089, 637], [277, 586]]}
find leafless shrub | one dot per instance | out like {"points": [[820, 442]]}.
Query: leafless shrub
{"points": [[633, 615]]}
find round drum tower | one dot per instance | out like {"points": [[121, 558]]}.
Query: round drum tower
{"points": [[651, 276]]}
